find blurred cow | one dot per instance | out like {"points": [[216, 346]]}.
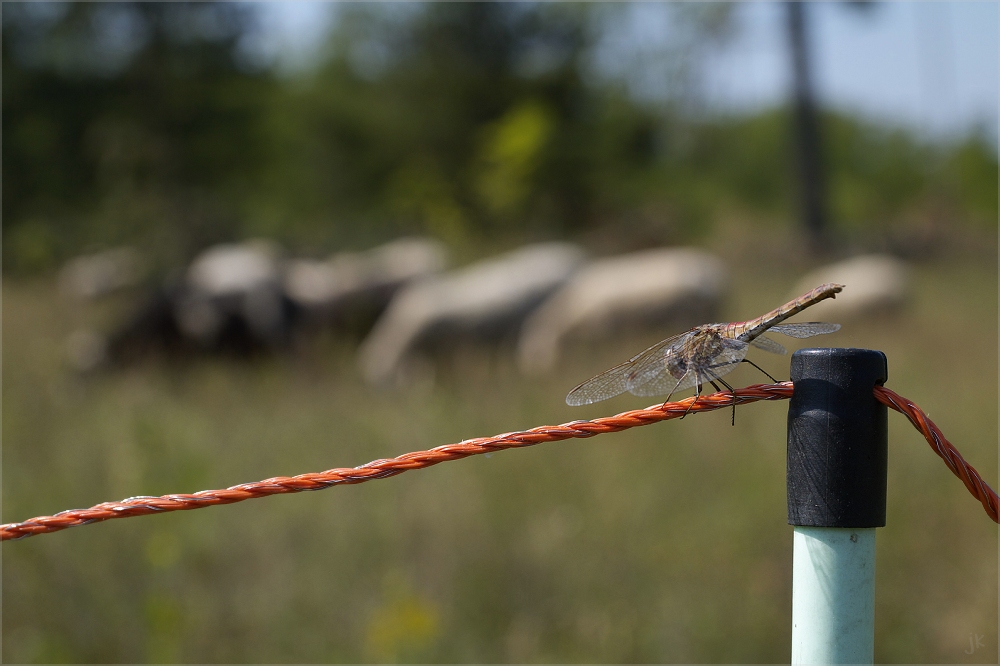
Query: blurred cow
{"points": [[230, 298], [351, 289], [484, 301], [245, 298], [875, 284], [623, 294]]}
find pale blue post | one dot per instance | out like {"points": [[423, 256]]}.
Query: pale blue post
{"points": [[833, 596]]}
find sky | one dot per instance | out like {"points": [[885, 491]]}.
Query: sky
{"points": [[929, 66]]}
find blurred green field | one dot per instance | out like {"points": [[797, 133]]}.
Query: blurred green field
{"points": [[667, 543]]}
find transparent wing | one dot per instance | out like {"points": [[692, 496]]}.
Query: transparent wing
{"points": [[805, 329], [642, 367], [722, 364], [652, 363], [664, 384], [606, 385], [767, 344]]}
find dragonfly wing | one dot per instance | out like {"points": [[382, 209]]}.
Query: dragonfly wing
{"points": [[606, 385], [618, 379], [725, 362], [663, 384], [767, 344], [805, 329], [653, 363]]}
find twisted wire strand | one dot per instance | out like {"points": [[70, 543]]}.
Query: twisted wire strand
{"points": [[386, 467], [383, 468], [941, 446]]}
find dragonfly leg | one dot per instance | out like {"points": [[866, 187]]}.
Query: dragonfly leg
{"points": [[697, 394], [669, 395], [746, 360], [731, 390]]}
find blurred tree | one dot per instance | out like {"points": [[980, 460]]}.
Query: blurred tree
{"points": [[971, 176], [125, 122], [479, 123], [808, 141], [462, 120]]}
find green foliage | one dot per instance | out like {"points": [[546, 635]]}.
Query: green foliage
{"points": [[478, 123], [875, 175], [971, 175], [508, 157], [160, 151], [463, 120]]}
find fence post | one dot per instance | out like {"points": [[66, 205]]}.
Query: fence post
{"points": [[836, 477]]}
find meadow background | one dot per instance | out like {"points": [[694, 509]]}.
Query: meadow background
{"points": [[486, 126]]}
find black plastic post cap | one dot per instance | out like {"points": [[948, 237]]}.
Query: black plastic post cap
{"points": [[837, 439]]}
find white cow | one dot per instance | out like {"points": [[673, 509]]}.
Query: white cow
{"points": [[326, 286], [483, 300], [619, 294], [233, 291], [874, 284]]}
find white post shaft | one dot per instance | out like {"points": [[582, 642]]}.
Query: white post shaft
{"points": [[833, 595]]}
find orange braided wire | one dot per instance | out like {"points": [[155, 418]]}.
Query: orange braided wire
{"points": [[956, 463], [380, 469]]}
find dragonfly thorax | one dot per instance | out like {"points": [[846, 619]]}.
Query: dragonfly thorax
{"points": [[698, 351]]}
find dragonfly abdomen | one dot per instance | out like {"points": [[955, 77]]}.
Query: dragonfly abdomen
{"points": [[748, 330]]}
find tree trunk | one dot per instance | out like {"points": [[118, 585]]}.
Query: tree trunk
{"points": [[807, 134]]}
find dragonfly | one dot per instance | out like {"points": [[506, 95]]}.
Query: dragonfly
{"points": [[704, 354]]}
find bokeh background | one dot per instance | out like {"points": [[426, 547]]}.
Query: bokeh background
{"points": [[168, 129]]}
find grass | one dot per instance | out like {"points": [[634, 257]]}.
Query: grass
{"points": [[667, 543]]}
